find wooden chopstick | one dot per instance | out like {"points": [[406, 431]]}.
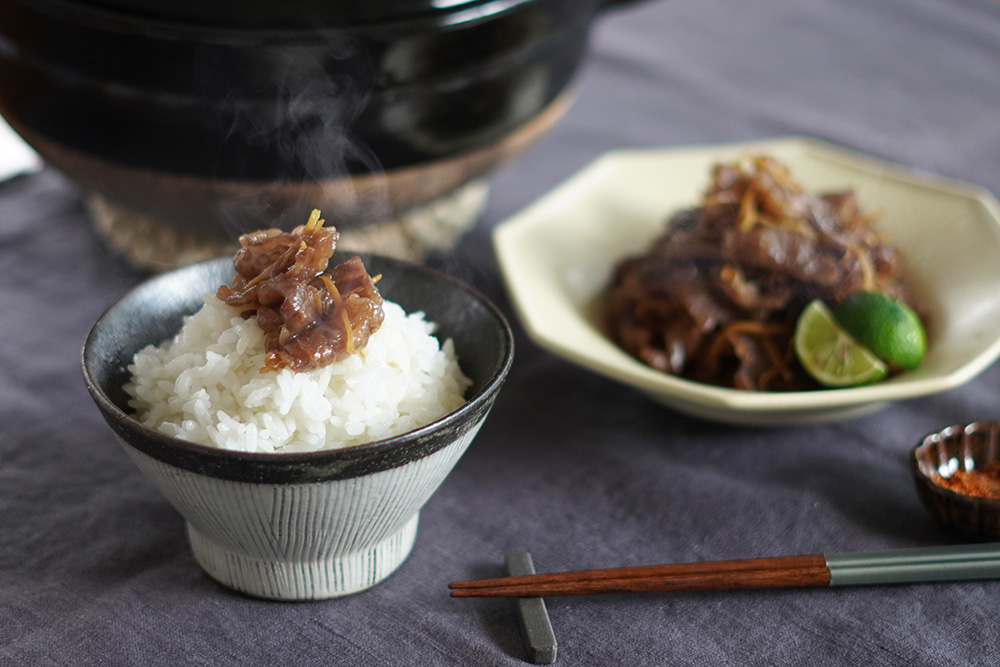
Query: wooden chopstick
{"points": [[714, 575], [953, 563]]}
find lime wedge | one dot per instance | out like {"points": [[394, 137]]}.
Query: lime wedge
{"points": [[886, 326], [831, 355]]}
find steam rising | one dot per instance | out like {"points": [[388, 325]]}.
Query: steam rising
{"points": [[287, 124]]}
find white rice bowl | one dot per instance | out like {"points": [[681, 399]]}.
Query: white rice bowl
{"points": [[206, 386]]}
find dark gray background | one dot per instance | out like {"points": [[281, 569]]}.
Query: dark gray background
{"points": [[94, 567]]}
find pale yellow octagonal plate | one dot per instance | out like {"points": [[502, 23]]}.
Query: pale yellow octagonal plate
{"points": [[557, 256]]}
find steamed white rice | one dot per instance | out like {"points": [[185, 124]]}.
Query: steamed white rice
{"points": [[206, 385]]}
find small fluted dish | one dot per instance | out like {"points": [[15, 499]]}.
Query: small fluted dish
{"points": [[557, 256], [956, 477], [312, 525]]}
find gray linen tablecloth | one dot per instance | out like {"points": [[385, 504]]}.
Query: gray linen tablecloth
{"points": [[581, 472]]}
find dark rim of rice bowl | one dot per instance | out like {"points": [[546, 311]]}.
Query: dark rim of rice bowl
{"points": [[119, 333]]}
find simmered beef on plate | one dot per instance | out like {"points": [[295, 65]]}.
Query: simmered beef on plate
{"points": [[716, 296]]}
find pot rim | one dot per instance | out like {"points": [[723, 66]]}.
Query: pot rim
{"points": [[205, 19]]}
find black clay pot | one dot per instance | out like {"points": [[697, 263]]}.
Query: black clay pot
{"points": [[178, 109]]}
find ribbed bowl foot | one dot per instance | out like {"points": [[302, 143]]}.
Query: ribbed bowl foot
{"points": [[304, 580]]}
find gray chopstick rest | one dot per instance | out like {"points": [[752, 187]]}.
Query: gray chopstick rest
{"points": [[532, 616]]}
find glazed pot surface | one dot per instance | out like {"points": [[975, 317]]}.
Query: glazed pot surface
{"points": [[183, 119], [278, 103]]}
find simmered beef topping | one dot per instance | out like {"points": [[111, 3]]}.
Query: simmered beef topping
{"points": [[312, 314]]}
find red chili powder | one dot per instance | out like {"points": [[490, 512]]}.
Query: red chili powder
{"points": [[984, 483]]}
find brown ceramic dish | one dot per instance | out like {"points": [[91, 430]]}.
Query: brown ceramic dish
{"points": [[942, 458]]}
